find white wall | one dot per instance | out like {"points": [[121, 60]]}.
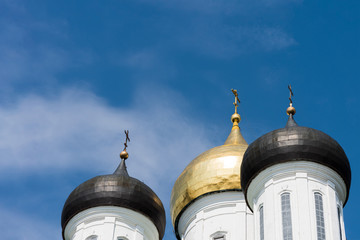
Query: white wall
{"points": [[301, 179], [216, 214], [109, 223]]}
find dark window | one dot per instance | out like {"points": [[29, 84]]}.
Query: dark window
{"points": [[261, 213], [339, 217], [286, 216], [320, 221]]}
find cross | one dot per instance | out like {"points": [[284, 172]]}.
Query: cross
{"points": [[236, 99], [291, 93], [127, 138]]}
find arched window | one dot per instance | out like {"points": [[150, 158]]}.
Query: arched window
{"points": [[320, 221], [92, 237], [286, 216], [261, 218], [339, 218]]}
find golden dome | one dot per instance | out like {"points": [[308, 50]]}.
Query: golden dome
{"points": [[217, 169]]}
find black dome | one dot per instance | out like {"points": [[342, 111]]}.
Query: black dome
{"points": [[116, 189], [294, 143]]}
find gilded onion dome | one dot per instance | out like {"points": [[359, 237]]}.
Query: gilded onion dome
{"points": [[215, 170]]}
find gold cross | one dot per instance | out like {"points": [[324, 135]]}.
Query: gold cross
{"points": [[291, 93], [127, 138], [236, 99]]}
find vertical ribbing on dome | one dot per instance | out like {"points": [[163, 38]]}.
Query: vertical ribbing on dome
{"points": [[121, 169]]}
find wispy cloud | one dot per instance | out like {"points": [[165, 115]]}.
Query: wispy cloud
{"points": [[270, 38], [32, 51], [143, 59], [229, 41], [224, 29], [24, 55], [77, 130], [227, 7], [17, 225]]}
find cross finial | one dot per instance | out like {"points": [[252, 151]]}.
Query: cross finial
{"points": [[290, 110], [124, 154], [236, 99], [291, 93], [127, 139]]}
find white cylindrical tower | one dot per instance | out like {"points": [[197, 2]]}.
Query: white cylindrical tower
{"points": [[207, 202], [217, 216], [296, 180], [113, 207], [110, 222]]}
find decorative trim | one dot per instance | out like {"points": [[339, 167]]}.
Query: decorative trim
{"points": [[289, 171], [122, 217], [202, 209], [179, 216]]}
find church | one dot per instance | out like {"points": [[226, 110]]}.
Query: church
{"points": [[289, 184]]}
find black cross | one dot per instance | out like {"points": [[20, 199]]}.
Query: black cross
{"points": [[127, 138], [291, 93]]}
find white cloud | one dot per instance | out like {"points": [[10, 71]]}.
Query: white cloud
{"points": [[78, 131]]}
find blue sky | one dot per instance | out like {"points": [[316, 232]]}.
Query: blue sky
{"points": [[74, 75]]}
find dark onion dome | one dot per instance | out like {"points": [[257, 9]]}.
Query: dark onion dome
{"points": [[294, 143], [117, 189]]}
